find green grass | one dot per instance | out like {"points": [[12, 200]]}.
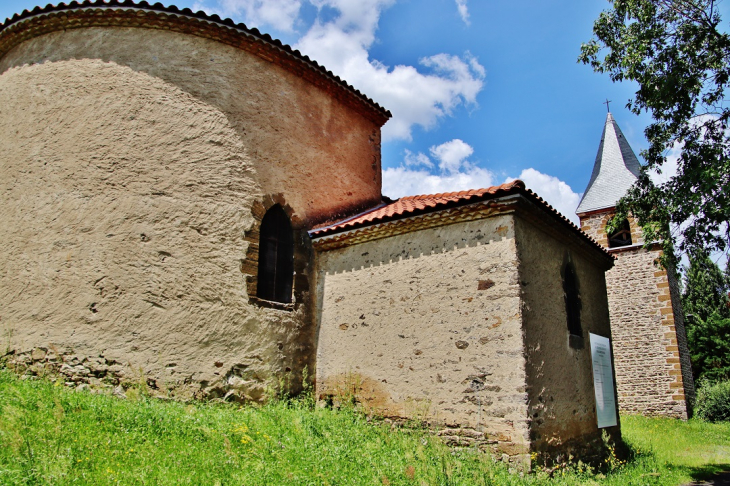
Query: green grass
{"points": [[52, 435]]}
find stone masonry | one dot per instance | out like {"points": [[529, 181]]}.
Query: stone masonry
{"points": [[653, 370]]}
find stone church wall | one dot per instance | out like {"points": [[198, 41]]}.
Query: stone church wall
{"points": [[653, 371], [649, 363], [133, 160], [562, 405], [427, 325]]}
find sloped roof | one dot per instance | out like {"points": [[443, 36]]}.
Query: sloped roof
{"points": [[615, 170], [410, 206], [127, 13], [413, 205]]}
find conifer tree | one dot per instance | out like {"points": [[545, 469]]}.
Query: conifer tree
{"points": [[705, 302]]}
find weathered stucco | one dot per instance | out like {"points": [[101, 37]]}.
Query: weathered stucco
{"points": [[562, 406], [653, 371], [133, 163], [427, 325], [465, 325]]}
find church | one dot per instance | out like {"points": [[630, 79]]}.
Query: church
{"points": [[191, 203]]}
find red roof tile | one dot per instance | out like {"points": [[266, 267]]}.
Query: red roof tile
{"points": [[414, 205]]}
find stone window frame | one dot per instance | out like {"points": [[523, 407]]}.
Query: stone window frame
{"points": [[625, 229], [275, 280], [250, 264], [573, 304]]}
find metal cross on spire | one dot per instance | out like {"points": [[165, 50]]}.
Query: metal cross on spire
{"points": [[606, 103]]}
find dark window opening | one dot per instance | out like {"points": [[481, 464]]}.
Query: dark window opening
{"points": [[572, 301], [620, 237], [276, 257]]}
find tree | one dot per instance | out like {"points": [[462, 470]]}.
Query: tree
{"points": [[705, 303], [705, 289], [680, 57]]}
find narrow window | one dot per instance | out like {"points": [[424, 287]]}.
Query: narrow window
{"points": [[620, 237], [572, 301], [276, 257]]}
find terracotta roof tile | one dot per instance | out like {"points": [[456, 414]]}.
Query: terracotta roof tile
{"points": [[414, 205]]}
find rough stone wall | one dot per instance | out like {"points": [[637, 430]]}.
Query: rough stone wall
{"points": [[427, 325], [652, 358], [132, 162], [677, 316], [595, 226], [562, 405]]}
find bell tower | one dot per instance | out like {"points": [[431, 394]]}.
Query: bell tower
{"points": [[653, 371]]}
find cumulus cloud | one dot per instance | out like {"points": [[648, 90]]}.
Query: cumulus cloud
{"points": [[449, 169], [452, 155], [279, 14], [463, 11], [556, 192], [452, 172], [419, 159], [403, 181]]}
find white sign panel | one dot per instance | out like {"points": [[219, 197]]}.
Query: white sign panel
{"points": [[603, 381]]}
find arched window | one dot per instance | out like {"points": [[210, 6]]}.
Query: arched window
{"points": [[620, 237], [572, 300], [276, 257]]}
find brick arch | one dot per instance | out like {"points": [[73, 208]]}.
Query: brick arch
{"points": [[249, 265]]}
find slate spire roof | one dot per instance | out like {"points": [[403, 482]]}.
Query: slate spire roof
{"points": [[615, 170]]}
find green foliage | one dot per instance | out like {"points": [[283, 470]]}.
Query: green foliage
{"points": [[52, 435], [705, 304], [709, 345], [702, 446], [705, 289], [713, 402], [680, 58]]}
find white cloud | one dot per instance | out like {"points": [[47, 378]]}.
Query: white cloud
{"points": [[279, 14], [556, 192], [403, 181], [414, 98], [455, 172], [463, 11], [415, 160], [452, 155], [341, 43]]}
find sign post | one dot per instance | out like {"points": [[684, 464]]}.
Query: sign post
{"points": [[603, 381]]}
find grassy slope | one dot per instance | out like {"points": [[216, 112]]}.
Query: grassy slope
{"points": [[51, 435]]}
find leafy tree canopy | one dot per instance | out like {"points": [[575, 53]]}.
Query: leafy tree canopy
{"points": [[679, 55]]}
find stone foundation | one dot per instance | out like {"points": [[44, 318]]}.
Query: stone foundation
{"points": [[104, 374]]}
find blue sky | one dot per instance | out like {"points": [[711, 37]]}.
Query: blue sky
{"points": [[481, 91]]}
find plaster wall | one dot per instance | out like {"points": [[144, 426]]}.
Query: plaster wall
{"points": [[298, 139], [427, 325], [562, 406], [131, 160]]}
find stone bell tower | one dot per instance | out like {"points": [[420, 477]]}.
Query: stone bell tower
{"points": [[653, 370]]}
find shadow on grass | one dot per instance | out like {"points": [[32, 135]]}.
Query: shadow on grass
{"points": [[719, 473]]}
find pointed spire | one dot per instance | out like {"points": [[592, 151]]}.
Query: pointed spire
{"points": [[615, 170]]}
